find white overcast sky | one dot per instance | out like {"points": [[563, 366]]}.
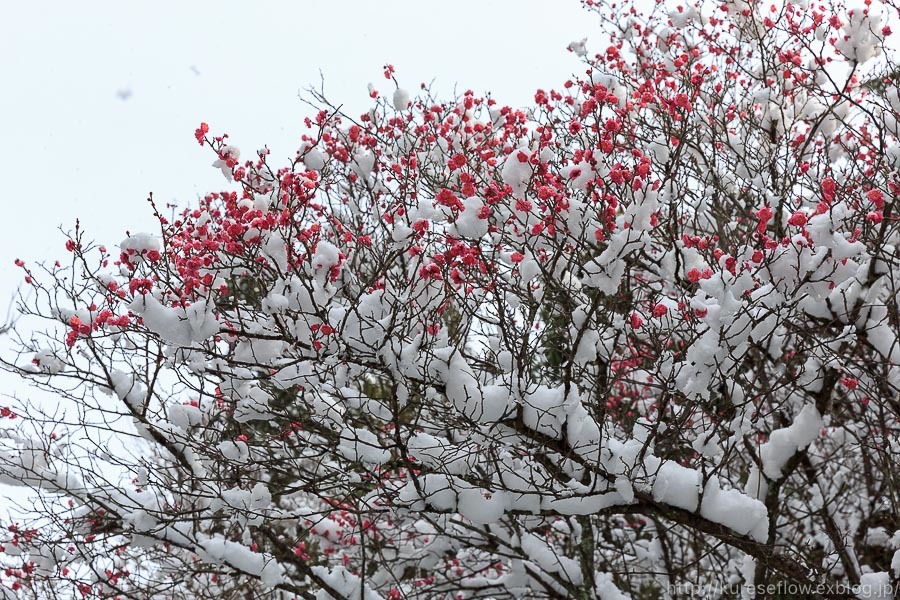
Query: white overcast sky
{"points": [[71, 147]]}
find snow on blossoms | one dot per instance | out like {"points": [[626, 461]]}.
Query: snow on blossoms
{"points": [[641, 334]]}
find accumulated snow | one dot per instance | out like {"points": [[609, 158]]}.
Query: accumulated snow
{"points": [[361, 445], [228, 153], [583, 505], [222, 551], [579, 47], [517, 173], [314, 160], [252, 405], [129, 390], [736, 510], [439, 453], [784, 443], [235, 451], [45, 362], [179, 326], [326, 256], [344, 583], [254, 501], [606, 588], [464, 390], [140, 243], [676, 485], [401, 99], [679, 486], [434, 489], [362, 164], [875, 586], [860, 42], [544, 411], [606, 271], [469, 224], [481, 506], [184, 416], [540, 553], [251, 402], [583, 432]]}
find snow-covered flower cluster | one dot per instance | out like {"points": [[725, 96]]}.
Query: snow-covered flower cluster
{"points": [[640, 336]]}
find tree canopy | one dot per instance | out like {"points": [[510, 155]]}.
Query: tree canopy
{"points": [[637, 339]]}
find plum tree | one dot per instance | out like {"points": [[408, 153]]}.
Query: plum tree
{"points": [[638, 339]]}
